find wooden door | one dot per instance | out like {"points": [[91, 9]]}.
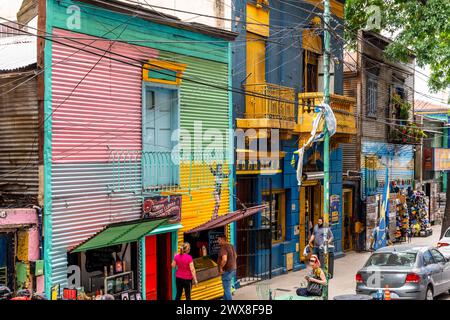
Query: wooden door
{"points": [[347, 221]]}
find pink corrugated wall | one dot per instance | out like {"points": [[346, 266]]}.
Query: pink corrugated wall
{"points": [[104, 110]]}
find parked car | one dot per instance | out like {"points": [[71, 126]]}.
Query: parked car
{"points": [[444, 244], [410, 272]]}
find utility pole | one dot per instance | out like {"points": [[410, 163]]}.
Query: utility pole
{"points": [[326, 140]]}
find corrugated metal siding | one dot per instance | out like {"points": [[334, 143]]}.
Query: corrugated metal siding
{"points": [[349, 156], [18, 137], [209, 106], [104, 111], [82, 206]]}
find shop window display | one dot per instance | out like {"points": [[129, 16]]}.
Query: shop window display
{"points": [[204, 251], [110, 270], [275, 219]]}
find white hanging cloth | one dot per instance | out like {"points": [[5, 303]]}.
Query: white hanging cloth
{"points": [[325, 113]]}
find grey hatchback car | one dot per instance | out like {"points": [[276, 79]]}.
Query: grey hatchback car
{"points": [[410, 272]]}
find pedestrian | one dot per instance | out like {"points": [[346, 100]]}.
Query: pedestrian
{"points": [[316, 279], [227, 265], [409, 233], [185, 271], [317, 239]]}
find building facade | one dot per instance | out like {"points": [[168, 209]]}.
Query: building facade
{"points": [[431, 155], [384, 91], [277, 60], [20, 202], [128, 166]]}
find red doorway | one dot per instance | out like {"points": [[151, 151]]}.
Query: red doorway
{"points": [[158, 257]]}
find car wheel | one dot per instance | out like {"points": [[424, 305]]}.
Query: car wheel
{"points": [[429, 294]]}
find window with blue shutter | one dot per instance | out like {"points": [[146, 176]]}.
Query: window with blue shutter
{"points": [[160, 120]]}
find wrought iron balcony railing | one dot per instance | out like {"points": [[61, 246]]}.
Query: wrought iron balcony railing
{"points": [[166, 171]]}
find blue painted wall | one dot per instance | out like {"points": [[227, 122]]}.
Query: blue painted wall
{"points": [[284, 66]]}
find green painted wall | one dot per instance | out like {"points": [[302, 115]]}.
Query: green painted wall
{"points": [[97, 21]]}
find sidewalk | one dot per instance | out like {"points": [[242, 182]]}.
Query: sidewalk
{"points": [[343, 281]]}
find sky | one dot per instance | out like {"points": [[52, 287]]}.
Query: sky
{"points": [[9, 8]]}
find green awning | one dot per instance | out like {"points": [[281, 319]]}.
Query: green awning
{"points": [[119, 233]]}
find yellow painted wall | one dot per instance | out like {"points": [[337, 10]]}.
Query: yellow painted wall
{"points": [[197, 208], [257, 20]]}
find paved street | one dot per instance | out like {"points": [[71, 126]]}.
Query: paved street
{"points": [[344, 278]]}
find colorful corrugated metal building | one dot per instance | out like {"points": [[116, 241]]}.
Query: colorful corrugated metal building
{"points": [[124, 88]]}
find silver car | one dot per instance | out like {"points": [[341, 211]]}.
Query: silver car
{"points": [[410, 272]]}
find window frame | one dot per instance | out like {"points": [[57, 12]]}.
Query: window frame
{"points": [[439, 254], [423, 258], [281, 194], [371, 95], [146, 85]]}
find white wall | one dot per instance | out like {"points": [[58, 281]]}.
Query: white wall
{"points": [[9, 8], [206, 7]]}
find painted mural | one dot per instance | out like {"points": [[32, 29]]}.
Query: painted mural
{"points": [[376, 155]]}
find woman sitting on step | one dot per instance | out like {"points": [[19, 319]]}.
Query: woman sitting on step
{"points": [[316, 279]]}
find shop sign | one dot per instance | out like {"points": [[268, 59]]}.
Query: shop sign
{"points": [[214, 246], [162, 207], [334, 208], [441, 159]]}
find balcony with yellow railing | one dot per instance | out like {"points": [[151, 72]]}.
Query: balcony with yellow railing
{"points": [[268, 106], [342, 106]]}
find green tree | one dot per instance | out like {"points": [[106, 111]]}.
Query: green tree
{"points": [[418, 26]]}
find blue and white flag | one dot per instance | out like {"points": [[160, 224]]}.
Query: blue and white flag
{"points": [[381, 234]]}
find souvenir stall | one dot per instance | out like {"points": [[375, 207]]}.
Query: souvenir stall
{"points": [[402, 218], [418, 215]]}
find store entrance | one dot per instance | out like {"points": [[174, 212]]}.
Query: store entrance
{"points": [[7, 260], [158, 278], [347, 231], [310, 211]]}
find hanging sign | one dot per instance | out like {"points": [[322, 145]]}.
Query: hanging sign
{"points": [[334, 208], [163, 207]]}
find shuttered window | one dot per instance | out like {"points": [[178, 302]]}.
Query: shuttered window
{"points": [[160, 119], [371, 102]]}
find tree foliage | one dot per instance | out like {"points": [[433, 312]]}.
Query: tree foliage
{"points": [[420, 26]]}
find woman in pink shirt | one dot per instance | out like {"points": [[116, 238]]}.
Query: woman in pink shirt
{"points": [[185, 273]]}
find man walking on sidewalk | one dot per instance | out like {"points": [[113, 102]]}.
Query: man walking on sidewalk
{"points": [[317, 239], [227, 265]]}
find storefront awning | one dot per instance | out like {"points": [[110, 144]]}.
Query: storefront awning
{"points": [[230, 217], [120, 233]]}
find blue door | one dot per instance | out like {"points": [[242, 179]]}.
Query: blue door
{"points": [[160, 120]]}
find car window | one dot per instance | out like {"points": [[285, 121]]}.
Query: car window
{"points": [[438, 257], [447, 233], [427, 258], [380, 259]]}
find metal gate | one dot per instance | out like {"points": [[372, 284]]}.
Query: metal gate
{"points": [[253, 236]]}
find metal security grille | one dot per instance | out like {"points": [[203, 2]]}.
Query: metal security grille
{"points": [[253, 237]]}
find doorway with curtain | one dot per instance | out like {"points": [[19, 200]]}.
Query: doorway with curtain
{"points": [[158, 258]]}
